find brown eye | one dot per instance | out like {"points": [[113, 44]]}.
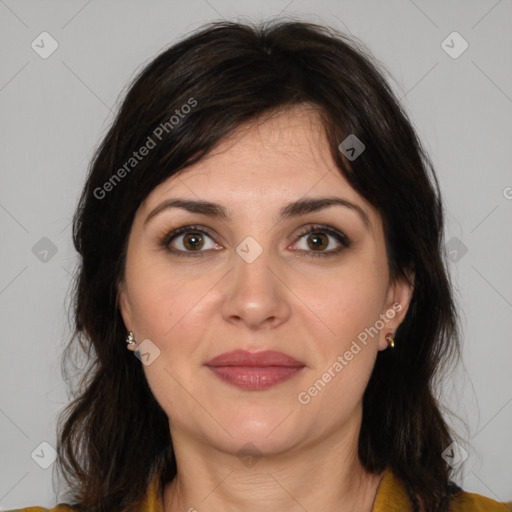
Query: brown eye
{"points": [[317, 241], [188, 241], [193, 241], [319, 238]]}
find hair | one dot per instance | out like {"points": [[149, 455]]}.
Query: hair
{"points": [[114, 436]]}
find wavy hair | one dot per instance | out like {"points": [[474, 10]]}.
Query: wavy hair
{"points": [[114, 436]]}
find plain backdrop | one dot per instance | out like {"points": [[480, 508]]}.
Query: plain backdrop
{"points": [[55, 110]]}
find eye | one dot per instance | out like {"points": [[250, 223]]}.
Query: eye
{"points": [[190, 241], [318, 240]]}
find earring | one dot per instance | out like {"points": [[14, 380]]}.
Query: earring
{"points": [[130, 339], [390, 340]]}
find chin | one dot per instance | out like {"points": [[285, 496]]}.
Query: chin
{"points": [[254, 445], [266, 434]]}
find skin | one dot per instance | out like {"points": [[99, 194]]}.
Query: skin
{"points": [[312, 308]]}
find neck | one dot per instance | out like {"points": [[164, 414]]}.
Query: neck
{"points": [[326, 476]]}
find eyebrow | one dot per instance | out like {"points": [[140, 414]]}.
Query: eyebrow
{"points": [[291, 210]]}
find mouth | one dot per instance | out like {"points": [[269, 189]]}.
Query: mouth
{"points": [[255, 377], [255, 370]]}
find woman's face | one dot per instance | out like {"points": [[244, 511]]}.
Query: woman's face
{"points": [[256, 280]]}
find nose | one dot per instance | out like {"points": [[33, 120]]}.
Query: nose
{"points": [[256, 293]]}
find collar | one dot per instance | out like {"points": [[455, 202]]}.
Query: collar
{"points": [[391, 495]]}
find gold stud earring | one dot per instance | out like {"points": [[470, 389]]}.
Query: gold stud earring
{"points": [[390, 340]]}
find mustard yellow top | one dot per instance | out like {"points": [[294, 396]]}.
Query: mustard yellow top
{"points": [[391, 497]]}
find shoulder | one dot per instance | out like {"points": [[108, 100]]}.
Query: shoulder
{"points": [[393, 496], [150, 503], [58, 508], [471, 502]]}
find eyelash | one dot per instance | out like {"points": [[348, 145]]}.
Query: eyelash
{"points": [[169, 237]]}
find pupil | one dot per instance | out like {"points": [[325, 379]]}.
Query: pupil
{"points": [[195, 238], [317, 241]]}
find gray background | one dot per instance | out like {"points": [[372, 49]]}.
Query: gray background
{"points": [[54, 112]]}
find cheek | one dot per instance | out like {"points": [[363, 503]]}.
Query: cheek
{"points": [[344, 302], [168, 303], [346, 349]]}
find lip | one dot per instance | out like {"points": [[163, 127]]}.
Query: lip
{"points": [[245, 358], [254, 370]]}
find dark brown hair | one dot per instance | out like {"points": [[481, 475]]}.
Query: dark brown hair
{"points": [[114, 435]]}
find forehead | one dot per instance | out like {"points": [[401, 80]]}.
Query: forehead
{"points": [[283, 142], [267, 162]]}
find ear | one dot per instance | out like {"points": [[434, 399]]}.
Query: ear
{"points": [[397, 304], [124, 307]]}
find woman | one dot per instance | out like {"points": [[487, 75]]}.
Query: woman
{"points": [[263, 228]]}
